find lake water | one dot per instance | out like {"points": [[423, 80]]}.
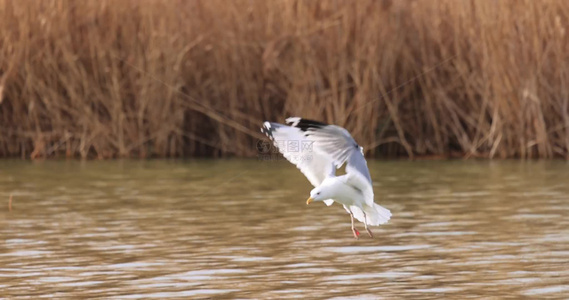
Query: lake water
{"points": [[240, 229]]}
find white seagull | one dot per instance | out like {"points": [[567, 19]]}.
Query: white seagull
{"points": [[318, 149]]}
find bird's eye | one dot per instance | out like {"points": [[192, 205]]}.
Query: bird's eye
{"points": [[318, 193]]}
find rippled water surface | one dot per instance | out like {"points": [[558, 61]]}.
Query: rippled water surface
{"points": [[240, 229]]}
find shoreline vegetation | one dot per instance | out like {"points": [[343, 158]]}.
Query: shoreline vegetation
{"points": [[151, 78]]}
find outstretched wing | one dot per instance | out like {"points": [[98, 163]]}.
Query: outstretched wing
{"points": [[298, 149], [337, 143]]}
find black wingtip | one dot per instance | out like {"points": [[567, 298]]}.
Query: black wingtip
{"points": [[304, 124], [268, 129]]}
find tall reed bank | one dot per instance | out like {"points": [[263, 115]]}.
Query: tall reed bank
{"points": [[154, 78]]}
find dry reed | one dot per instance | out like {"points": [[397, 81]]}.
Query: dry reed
{"points": [[153, 78]]}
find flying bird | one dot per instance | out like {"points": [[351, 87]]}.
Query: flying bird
{"points": [[318, 150]]}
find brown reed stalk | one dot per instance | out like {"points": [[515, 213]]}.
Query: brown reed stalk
{"points": [[151, 78]]}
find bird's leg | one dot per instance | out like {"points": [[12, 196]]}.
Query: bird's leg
{"points": [[365, 222], [354, 230]]}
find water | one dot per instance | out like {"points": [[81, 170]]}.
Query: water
{"points": [[240, 229]]}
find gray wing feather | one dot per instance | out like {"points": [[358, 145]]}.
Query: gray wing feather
{"points": [[341, 147], [357, 161], [337, 143], [314, 165]]}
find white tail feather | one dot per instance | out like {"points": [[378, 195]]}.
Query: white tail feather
{"points": [[376, 215]]}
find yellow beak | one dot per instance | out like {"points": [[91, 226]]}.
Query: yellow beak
{"points": [[309, 200]]}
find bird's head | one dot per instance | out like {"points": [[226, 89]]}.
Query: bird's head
{"points": [[318, 194]]}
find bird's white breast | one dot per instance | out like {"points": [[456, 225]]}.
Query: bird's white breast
{"points": [[344, 193]]}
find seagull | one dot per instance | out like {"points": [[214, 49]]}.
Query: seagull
{"points": [[318, 149]]}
